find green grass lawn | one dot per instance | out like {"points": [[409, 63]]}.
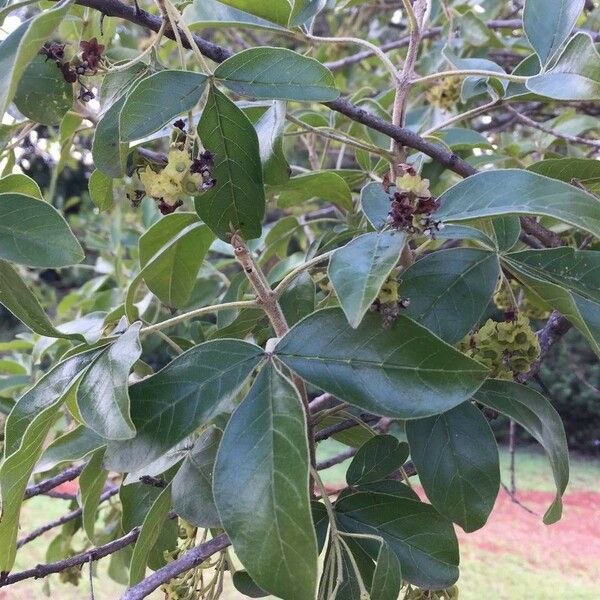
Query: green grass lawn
{"points": [[484, 575]]}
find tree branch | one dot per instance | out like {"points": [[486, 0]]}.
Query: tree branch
{"points": [[50, 484], [192, 558]]}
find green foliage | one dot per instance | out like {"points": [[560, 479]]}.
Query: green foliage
{"points": [[218, 263]]}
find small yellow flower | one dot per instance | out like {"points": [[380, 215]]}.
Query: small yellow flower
{"points": [[414, 184]]}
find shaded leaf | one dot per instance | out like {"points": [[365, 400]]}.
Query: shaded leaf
{"points": [[400, 371], [323, 185], [359, 269], [449, 290], [187, 393], [533, 412], [456, 456], [100, 187], [91, 482], [70, 447], [376, 459], [237, 199], [35, 234], [261, 488]]}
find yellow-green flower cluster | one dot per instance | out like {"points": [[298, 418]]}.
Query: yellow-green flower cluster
{"points": [[505, 348]]}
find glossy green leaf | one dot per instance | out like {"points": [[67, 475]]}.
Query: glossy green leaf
{"points": [[158, 99], [376, 459], [533, 412], [149, 534], [269, 129], [245, 585], [261, 481], [192, 486], [305, 10], [102, 395], [400, 371], [387, 577], [423, 540], [456, 456], [359, 269], [574, 76], [43, 95], [18, 183], [21, 302], [91, 483], [548, 24], [108, 152], [212, 13], [506, 191], [565, 279], [35, 234], [279, 73], [22, 45], [100, 187], [68, 448], [298, 301], [567, 169], [450, 290], [322, 185], [26, 429], [277, 11], [506, 231], [187, 393], [375, 203], [170, 271], [237, 199]]}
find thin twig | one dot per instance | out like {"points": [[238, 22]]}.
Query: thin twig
{"points": [[337, 459], [50, 484]]}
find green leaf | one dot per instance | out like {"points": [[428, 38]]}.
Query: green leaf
{"points": [[187, 393], [91, 483], [23, 45], [237, 200], [324, 185], [507, 191], [276, 11], [269, 129], [387, 577], [192, 486], [423, 540], [245, 585], [359, 269], [170, 271], [21, 302], [261, 480], [278, 73], [576, 74], [375, 203], [533, 412], [43, 95], [18, 183], [376, 459], [506, 231], [548, 24], [68, 448], [100, 187], [298, 301], [449, 290], [565, 279], [149, 535], [400, 371], [212, 13], [460, 139], [567, 169], [35, 234], [108, 152], [26, 429], [456, 456], [353, 436], [305, 10], [102, 395], [158, 99]]}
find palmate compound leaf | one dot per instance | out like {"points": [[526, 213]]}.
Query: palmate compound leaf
{"points": [[456, 456], [277, 73], [505, 191], [189, 392], [535, 413], [35, 234], [261, 479], [26, 429], [401, 371], [237, 200]]}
